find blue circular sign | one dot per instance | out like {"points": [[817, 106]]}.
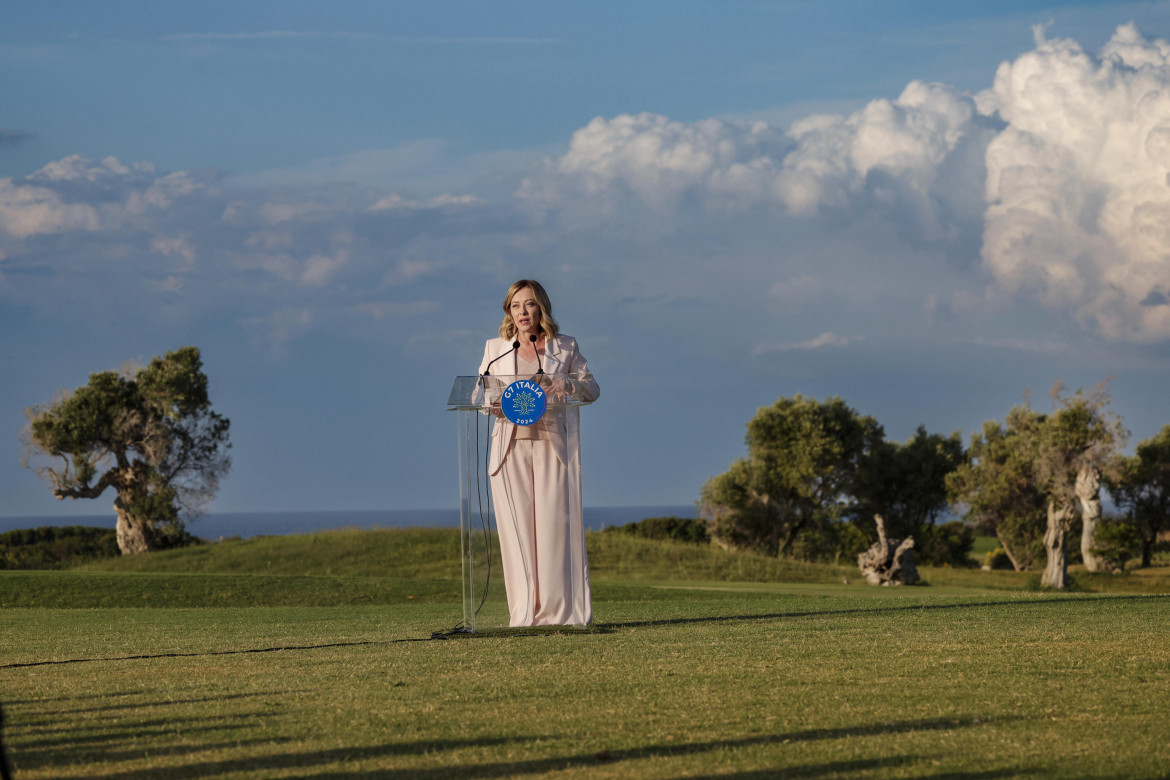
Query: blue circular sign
{"points": [[524, 402]]}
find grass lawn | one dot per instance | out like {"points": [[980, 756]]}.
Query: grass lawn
{"points": [[331, 675]]}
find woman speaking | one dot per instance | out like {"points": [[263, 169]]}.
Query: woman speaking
{"points": [[536, 469]]}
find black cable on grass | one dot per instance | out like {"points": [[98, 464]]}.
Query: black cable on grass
{"points": [[450, 632], [512, 634], [208, 653]]}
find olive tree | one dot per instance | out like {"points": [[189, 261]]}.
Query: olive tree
{"points": [[801, 465], [1141, 487], [149, 434], [998, 487], [1075, 447]]}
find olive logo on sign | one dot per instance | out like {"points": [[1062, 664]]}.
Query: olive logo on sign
{"points": [[524, 402]]}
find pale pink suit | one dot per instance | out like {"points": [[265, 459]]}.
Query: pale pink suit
{"points": [[536, 491]]}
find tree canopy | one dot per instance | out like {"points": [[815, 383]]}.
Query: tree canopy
{"points": [[907, 485], [801, 464], [813, 465], [817, 473], [150, 434], [998, 487], [1141, 486]]}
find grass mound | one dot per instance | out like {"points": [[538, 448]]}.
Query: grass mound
{"points": [[401, 566], [433, 553]]}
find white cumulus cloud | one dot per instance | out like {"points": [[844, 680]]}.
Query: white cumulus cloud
{"points": [[1077, 184], [892, 155], [77, 194]]}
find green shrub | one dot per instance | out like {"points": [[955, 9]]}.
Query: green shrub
{"points": [[831, 542], [678, 529], [1116, 541], [998, 559], [851, 542], [55, 547], [948, 544]]}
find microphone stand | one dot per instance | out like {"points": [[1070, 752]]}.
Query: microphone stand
{"points": [[539, 367]]}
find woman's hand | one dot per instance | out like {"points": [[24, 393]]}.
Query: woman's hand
{"points": [[558, 386]]}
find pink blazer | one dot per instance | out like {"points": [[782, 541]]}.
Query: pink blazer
{"points": [[561, 356]]}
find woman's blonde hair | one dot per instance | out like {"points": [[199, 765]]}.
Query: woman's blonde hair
{"points": [[548, 323]]}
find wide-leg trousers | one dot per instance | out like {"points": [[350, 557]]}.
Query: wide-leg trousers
{"points": [[531, 493]]}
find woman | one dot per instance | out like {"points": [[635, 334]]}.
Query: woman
{"points": [[536, 469]]}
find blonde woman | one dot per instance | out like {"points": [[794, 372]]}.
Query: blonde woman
{"points": [[536, 469]]}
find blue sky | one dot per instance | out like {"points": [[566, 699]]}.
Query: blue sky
{"points": [[924, 208]]}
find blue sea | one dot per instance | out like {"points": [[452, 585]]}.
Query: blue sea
{"points": [[246, 524]]}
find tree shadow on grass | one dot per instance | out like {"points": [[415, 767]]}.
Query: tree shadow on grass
{"points": [[37, 719], [43, 739], [834, 767], [51, 756], [78, 697], [873, 611], [307, 759], [78, 737], [670, 750], [201, 654], [541, 766], [555, 763]]}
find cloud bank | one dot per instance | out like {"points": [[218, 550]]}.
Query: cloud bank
{"points": [[278, 261], [889, 153], [1061, 168], [1051, 187]]}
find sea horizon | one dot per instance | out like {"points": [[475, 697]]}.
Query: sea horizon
{"points": [[221, 525]]}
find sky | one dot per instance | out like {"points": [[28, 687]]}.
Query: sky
{"points": [[932, 210]]}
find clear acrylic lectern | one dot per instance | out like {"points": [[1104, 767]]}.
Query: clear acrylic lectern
{"points": [[474, 398]]}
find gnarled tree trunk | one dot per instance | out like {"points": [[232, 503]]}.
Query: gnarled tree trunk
{"points": [[1089, 495], [888, 562], [133, 534], [1016, 566], [1056, 571]]}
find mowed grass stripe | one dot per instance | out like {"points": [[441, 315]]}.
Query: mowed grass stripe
{"points": [[130, 632], [87, 590]]}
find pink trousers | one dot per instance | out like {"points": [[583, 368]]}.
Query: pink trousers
{"points": [[531, 494]]}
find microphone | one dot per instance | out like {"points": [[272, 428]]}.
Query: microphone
{"points": [[515, 346], [539, 367]]}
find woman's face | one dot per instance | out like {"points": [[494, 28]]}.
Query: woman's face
{"points": [[525, 313]]}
